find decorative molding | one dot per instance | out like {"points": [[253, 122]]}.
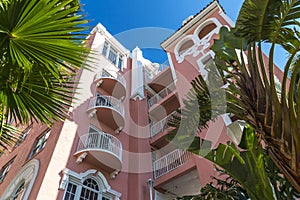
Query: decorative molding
{"points": [[114, 174], [28, 173], [199, 46], [201, 66], [81, 157], [182, 31], [94, 173]]}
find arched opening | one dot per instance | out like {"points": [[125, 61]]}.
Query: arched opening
{"points": [[90, 189], [90, 185], [206, 30], [20, 187], [185, 47], [19, 193]]}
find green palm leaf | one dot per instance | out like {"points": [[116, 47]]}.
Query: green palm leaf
{"points": [[40, 49], [251, 94]]}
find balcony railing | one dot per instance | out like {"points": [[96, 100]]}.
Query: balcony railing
{"points": [[106, 74], [160, 125], [100, 141], [107, 101], [170, 162], [162, 94]]}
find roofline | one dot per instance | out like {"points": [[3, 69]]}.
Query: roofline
{"points": [[110, 38], [214, 5]]}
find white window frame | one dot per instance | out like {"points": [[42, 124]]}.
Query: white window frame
{"points": [[27, 173], [16, 193], [23, 136], [119, 56], [40, 146], [201, 63], [5, 169], [74, 178]]}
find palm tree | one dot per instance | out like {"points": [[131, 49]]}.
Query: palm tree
{"points": [[251, 94], [40, 50]]}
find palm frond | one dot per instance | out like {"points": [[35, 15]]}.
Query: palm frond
{"points": [[41, 46]]}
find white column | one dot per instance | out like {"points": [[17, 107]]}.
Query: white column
{"points": [[137, 80]]}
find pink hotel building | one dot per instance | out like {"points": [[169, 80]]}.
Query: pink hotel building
{"points": [[112, 146]]}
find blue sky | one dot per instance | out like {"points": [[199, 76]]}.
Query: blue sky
{"points": [[123, 18], [119, 16]]}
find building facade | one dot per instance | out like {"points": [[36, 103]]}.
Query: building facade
{"points": [[113, 144]]}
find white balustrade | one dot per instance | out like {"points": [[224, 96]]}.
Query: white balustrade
{"points": [[100, 141], [106, 74], [162, 94], [160, 125], [106, 101], [170, 162]]}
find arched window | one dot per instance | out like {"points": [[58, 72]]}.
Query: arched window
{"points": [[89, 185], [90, 190], [19, 193], [20, 187], [185, 47], [206, 30]]}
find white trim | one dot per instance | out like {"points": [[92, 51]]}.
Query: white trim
{"points": [[102, 30], [172, 67], [137, 83], [27, 173], [226, 18], [205, 23], [202, 15], [100, 177], [199, 44], [188, 51], [202, 70]]}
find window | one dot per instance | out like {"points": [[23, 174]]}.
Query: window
{"points": [[5, 170], [207, 59], [185, 47], [23, 136], [88, 190], [120, 63], [18, 194], [206, 30], [70, 192], [20, 186], [104, 50], [88, 185], [40, 143], [112, 56], [206, 64]]}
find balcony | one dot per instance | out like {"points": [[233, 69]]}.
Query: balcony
{"points": [[170, 162], [160, 126], [101, 149], [159, 132], [114, 85], [161, 95], [108, 110]]}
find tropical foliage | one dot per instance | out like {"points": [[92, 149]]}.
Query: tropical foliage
{"points": [[252, 174], [224, 189], [40, 49], [249, 77]]}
